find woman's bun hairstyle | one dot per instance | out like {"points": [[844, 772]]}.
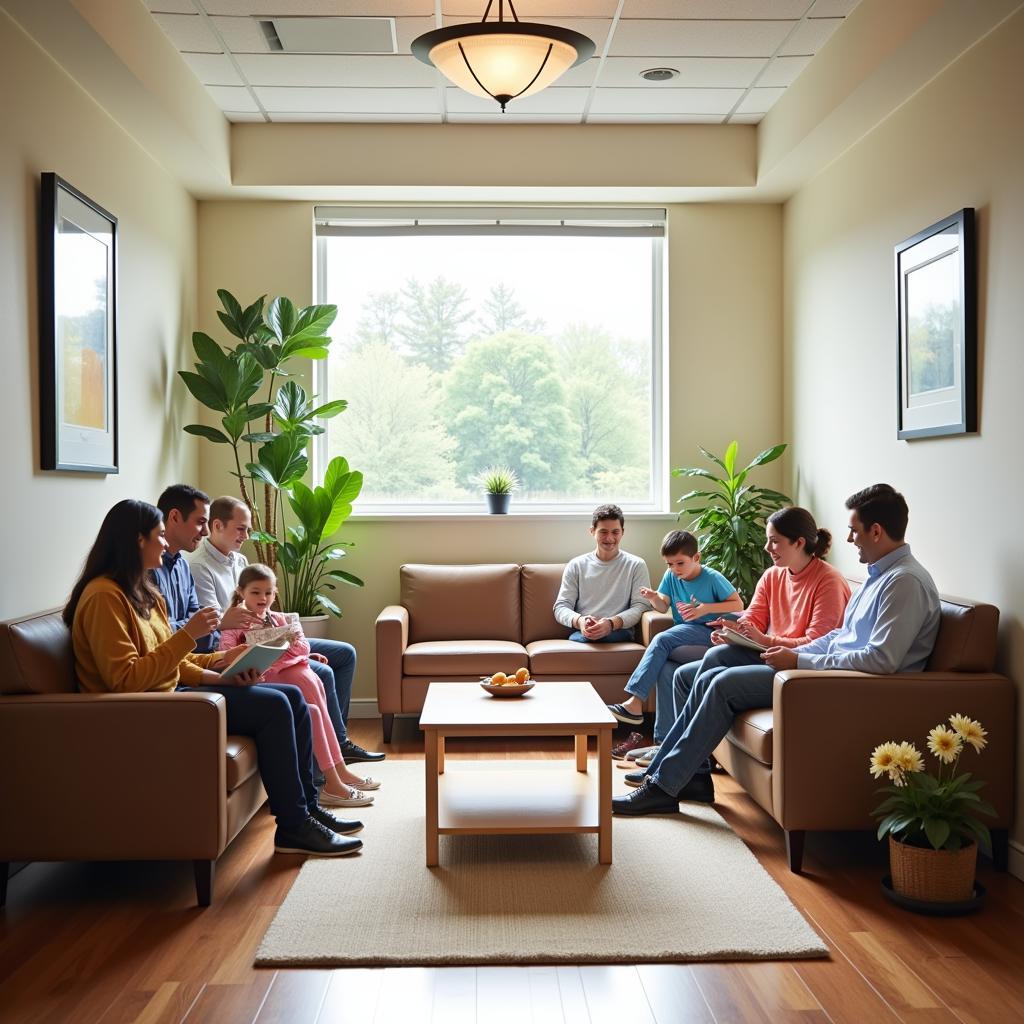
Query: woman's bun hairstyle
{"points": [[824, 543]]}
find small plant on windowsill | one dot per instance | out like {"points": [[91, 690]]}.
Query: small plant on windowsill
{"points": [[930, 819], [498, 483]]}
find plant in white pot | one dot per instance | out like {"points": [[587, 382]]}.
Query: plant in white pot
{"points": [[498, 483]]}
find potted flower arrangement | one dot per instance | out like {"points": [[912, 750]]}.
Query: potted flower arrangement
{"points": [[499, 482], [930, 819]]}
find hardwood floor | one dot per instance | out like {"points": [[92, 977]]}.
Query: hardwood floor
{"points": [[114, 943]]}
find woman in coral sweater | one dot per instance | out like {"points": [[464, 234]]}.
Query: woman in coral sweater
{"points": [[256, 590]]}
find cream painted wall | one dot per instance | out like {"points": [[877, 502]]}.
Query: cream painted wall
{"points": [[724, 288], [957, 143], [48, 520]]}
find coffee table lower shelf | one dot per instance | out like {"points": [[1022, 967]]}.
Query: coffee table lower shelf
{"points": [[490, 800]]}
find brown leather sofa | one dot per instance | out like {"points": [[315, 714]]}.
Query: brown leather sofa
{"points": [[459, 622], [805, 759], [140, 776]]}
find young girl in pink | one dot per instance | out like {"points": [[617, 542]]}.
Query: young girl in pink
{"points": [[257, 588]]}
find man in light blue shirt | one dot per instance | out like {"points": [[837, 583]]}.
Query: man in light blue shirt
{"points": [[890, 626]]}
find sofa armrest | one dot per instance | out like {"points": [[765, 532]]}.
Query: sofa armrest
{"points": [[825, 725], [392, 631], [134, 776], [653, 623]]}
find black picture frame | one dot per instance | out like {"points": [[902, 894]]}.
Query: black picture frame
{"points": [[936, 304], [77, 331]]}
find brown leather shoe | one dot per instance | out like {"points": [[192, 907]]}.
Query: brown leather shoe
{"points": [[631, 742]]}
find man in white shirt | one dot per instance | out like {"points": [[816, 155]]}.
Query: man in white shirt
{"points": [[599, 599], [215, 567]]}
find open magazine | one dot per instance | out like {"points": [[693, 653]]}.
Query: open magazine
{"points": [[732, 636], [260, 657]]}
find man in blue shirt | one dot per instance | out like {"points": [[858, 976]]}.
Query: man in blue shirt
{"points": [[890, 626]]}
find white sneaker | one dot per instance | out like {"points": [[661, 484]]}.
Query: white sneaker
{"points": [[646, 759], [366, 784], [635, 755], [354, 798]]}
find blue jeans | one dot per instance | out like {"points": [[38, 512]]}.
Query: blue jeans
{"points": [[616, 636], [652, 672], [276, 716], [708, 696], [337, 677]]}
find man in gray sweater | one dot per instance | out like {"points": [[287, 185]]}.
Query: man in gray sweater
{"points": [[599, 598]]}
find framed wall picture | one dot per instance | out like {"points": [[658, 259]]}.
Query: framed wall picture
{"points": [[936, 300], [77, 331]]}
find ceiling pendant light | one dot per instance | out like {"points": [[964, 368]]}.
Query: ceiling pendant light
{"points": [[502, 60]]}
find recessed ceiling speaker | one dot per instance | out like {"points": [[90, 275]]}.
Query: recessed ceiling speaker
{"points": [[659, 74]]}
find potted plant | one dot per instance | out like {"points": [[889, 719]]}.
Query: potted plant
{"points": [[729, 516], [930, 819], [275, 457], [499, 482]]}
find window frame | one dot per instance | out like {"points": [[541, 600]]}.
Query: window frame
{"points": [[603, 221]]}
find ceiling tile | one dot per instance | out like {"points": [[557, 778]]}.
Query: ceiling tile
{"points": [[354, 101], [551, 101], [759, 101], [533, 10], [810, 36], [231, 98], [694, 72], [407, 29], [171, 6], [322, 8], [350, 118], [241, 35], [833, 8], [359, 71], [634, 38], [664, 101], [510, 118], [213, 68], [243, 117], [654, 119], [746, 118], [716, 10], [595, 29], [188, 32], [783, 71]]}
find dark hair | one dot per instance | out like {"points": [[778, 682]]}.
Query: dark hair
{"points": [[882, 504], [603, 512], [794, 522], [680, 542], [181, 497], [252, 572], [223, 508], [115, 553]]}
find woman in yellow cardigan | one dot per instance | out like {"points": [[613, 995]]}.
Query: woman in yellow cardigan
{"points": [[123, 644]]}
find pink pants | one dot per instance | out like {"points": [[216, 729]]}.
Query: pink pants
{"points": [[326, 748]]}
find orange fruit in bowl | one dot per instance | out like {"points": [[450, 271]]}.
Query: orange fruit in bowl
{"points": [[522, 675], [499, 679]]}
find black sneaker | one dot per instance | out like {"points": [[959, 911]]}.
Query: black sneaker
{"points": [[339, 826], [649, 798], [700, 789], [626, 717], [636, 778], [314, 840], [353, 753]]}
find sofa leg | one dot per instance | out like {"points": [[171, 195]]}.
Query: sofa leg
{"points": [[204, 881], [1000, 849], [5, 870], [387, 722], [795, 849]]}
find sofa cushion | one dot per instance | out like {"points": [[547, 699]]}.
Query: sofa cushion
{"points": [[36, 655], [967, 638], [752, 732], [473, 602], [540, 588], [241, 760], [463, 658], [579, 661]]}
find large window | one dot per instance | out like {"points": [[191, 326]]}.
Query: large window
{"points": [[473, 338]]}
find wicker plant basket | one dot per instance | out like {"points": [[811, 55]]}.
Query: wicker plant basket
{"points": [[933, 876]]}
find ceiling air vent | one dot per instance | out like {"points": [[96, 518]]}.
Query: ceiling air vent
{"points": [[330, 35]]}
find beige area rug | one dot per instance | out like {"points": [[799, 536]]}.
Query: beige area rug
{"points": [[682, 887]]}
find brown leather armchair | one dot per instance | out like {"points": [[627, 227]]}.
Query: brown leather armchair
{"points": [[805, 759], [141, 776]]}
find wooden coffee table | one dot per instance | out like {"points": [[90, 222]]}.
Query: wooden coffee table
{"points": [[486, 800]]}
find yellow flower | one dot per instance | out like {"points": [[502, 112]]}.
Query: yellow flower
{"points": [[944, 744], [883, 759], [909, 759], [969, 731]]}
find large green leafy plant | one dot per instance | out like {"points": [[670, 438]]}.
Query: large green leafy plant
{"points": [[268, 421], [729, 516]]}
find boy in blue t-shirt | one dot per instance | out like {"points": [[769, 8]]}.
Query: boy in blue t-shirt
{"points": [[696, 595]]}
